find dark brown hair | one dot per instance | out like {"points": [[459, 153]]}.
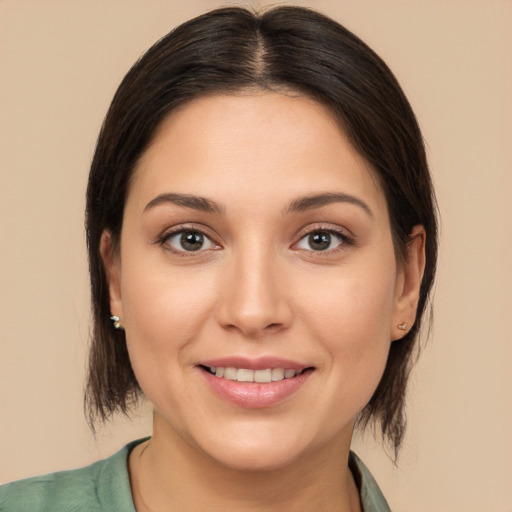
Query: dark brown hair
{"points": [[230, 50]]}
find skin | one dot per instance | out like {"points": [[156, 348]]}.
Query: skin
{"points": [[256, 288]]}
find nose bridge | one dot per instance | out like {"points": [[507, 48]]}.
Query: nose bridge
{"points": [[253, 300]]}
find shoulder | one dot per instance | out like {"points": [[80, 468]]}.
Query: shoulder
{"points": [[101, 486], [372, 499], [66, 490]]}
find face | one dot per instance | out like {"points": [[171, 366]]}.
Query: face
{"points": [[256, 278]]}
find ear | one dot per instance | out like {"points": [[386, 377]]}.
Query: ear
{"points": [[408, 283], [112, 265]]}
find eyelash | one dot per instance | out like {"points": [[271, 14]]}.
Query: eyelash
{"points": [[345, 240], [164, 239]]}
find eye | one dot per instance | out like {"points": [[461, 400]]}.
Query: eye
{"points": [[322, 240], [189, 240]]}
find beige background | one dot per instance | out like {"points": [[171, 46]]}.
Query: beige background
{"points": [[60, 63]]}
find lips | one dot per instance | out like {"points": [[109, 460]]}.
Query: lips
{"points": [[248, 375], [255, 383]]}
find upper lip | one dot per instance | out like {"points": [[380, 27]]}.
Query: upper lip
{"points": [[259, 363]]}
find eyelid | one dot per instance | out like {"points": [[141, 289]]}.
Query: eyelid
{"points": [[345, 234], [347, 237], [169, 233]]}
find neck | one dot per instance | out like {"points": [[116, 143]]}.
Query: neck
{"points": [[167, 473]]}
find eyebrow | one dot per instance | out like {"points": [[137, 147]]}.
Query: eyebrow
{"points": [[297, 205], [319, 200], [186, 200]]}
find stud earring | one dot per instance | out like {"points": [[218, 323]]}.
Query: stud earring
{"points": [[402, 326], [116, 321]]}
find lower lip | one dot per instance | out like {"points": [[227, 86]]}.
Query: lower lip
{"points": [[253, 395]]}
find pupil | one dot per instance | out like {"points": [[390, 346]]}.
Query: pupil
{"points": [[320, 240], [191, 241]]}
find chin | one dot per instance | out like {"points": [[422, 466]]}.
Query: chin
{"points": [[255, 459], [261, 448]]}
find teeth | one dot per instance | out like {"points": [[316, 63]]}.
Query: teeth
{"points": [[277, 374], [246, 375], [243, 375], [263, 375], [230, 373]]}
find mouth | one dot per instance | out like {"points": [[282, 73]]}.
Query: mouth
{"points": [[261, 376], [257, 383]]}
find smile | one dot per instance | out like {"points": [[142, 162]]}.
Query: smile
{"points": [[268, 383], [247, 375]]}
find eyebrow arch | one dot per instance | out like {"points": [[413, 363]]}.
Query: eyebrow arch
{"points": [[186, 200], [319, 200]]}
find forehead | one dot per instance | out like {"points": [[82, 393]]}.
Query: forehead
{"points": [[268, 143]]}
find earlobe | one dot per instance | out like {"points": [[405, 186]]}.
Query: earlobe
{"points": [[112, 266], [409, 280]]}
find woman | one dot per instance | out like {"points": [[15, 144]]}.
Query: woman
{"points": [[262, 241]]}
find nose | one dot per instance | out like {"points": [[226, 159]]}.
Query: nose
{"points": [[254, 299]]}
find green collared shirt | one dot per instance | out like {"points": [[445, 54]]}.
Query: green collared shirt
{"points": [[105, 487]]}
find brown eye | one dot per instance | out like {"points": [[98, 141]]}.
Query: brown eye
{"points": [[189, 241], [321, 240]]}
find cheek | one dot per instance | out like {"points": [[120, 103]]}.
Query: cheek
{"points": [[164, 310], [353, 302], [351, 323]]}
